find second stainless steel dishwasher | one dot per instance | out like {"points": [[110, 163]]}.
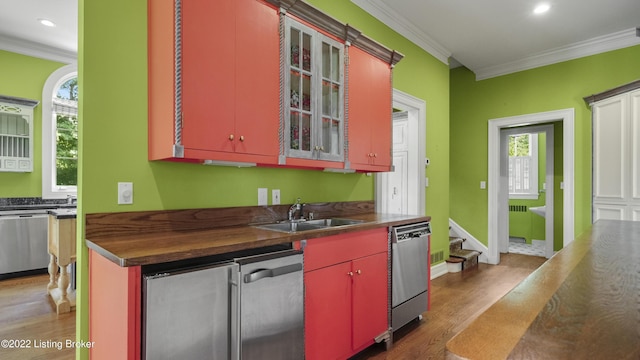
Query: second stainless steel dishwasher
{"points": [[270, 307]]}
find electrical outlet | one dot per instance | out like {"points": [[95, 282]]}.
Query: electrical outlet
{"points": [[125, 193], [262, 196], [275, 196], [483, 184]]}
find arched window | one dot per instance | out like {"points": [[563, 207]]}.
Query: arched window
{"points": [[60, 133]]}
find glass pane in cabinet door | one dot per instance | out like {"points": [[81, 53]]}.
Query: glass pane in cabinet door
{"points": [[295, 130], [326, 60], [295, 90], [306, 93], [335, 101], [305, 136], [335, 64], [295, 47], [330, 136], [306, 52], [326, 98]]}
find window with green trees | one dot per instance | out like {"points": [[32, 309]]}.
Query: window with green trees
{"points": [[65, 108], [523, 166]]}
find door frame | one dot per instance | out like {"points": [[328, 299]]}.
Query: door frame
{"points": [[417, 119], [495, 231], [549, 180]]}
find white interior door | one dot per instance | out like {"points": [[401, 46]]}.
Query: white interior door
{"points": [[409, 137], [396, 183]]}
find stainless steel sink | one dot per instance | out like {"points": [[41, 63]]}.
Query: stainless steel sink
{"points": [[296, 226], [334, 222]]}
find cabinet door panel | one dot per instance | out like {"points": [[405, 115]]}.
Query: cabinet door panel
{"points": [[257, 89], [370, 299], [207, 92], [369, 109], [359, 115], [328, 312], [610, 150]]}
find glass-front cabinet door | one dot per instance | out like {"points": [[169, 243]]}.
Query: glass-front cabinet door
{"points": [[313, 94]]}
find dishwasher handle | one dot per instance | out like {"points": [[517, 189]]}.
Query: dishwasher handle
{"points": [[265, 273]]}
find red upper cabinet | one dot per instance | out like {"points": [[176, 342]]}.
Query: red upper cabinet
{"points": [[370, 106], [214, 81]]}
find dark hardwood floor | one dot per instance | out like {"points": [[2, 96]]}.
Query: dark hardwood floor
{"points": [[457, 298], [27, 315]]}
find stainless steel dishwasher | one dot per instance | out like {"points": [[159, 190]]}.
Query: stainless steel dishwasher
{"points": [[410, 272], [23, 242], [271, 306]]}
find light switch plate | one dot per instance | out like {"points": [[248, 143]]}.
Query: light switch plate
{"points": [[262, 196], [125, 193], [275, 196]]}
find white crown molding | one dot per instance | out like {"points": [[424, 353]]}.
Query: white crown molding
{"points": [[392, 19], [615, 41], [29, 48]]}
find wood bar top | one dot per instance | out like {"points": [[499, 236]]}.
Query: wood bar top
{"points": [[145, 238], [583, 303]]}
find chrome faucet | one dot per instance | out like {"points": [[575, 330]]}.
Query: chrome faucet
{"points": [[297, 207]]}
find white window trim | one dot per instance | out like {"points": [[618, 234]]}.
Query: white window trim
{"points": [[534, 193], [49, 188]]}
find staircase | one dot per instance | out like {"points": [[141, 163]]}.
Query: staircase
{"points": [[459, 258]]}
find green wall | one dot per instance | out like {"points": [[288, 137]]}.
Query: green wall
{"points": [[113, 131], [24, 76], [552, 87]]}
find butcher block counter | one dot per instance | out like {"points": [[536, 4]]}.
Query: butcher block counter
{"points": [[145, 238], [583, 303]]}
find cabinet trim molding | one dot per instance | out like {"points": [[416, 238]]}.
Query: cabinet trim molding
{"points": [[611, 92], [19, 101], [336, 28]]}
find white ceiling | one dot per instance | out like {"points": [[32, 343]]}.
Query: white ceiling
{"points": [[490, 37], [21, 32], [496, 37]]}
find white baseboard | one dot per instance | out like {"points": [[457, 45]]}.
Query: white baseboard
{"points": [[439, 270], [471, 242]]}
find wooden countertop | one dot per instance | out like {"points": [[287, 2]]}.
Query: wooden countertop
{"points": [[128, 246], [583, 303]]}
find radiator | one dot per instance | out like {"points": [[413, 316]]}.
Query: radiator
{"points": [[518, 208]]}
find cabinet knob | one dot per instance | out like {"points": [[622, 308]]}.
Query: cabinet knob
{"points": [[231, 137], [241, 137], [358, 272], [375, 155], [321, 148], [350, 273]]}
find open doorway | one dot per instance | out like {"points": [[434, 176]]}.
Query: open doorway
{"points": [[526, 168], [409, 136], [498, 194]]}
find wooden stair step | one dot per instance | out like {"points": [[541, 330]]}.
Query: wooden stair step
{"points": [[464, 254]]}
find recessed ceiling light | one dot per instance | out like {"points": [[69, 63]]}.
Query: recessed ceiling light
{"points": [[47, 22], [541, 8]]}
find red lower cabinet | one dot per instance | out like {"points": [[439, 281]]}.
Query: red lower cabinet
{"points": [[346, 304], [369, 299], [328, 312]]}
